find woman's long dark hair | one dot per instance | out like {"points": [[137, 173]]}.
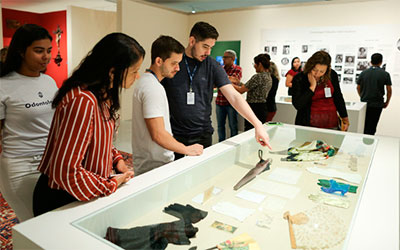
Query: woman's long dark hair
{"points": [[23, 37], [293, 68], [115, 51]]}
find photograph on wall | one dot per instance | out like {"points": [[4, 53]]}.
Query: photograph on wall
{"points": [[303, 64], [362, 53], [338, 67], [357, 76], [266, 49], [339, 77], [286, 49], [349, 61], [304, 48], [274, 50], [285, 61], [347, 80], [339, 58], [362, 65], [348, 71]]}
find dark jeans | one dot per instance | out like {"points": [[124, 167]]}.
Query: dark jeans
{"points": [[372, 116], [204, 139], [222, 111], [46, 199], [260, 110]]}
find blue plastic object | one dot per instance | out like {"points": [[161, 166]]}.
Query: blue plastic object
{"points": [[335, 187]]}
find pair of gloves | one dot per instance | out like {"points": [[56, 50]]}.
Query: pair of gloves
{"points": [[158, 236]]}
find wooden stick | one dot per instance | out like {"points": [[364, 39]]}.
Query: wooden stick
{"points": [[287, 216]]}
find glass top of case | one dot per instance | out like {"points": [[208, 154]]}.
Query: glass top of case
{"points": [[275, 207]]}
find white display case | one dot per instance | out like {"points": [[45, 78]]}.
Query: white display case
{"points": [[286, 113], [371, 221]]}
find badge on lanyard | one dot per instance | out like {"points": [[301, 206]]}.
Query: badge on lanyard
{"points": [[190, 98], [190, 94], [327, 92]]}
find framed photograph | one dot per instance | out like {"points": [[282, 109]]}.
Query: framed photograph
{"points": [[274, 50], [349, 61], [348, 71], [347, 80], [266, 49], [339, 58], [338, 67], [357, 76], [362, 65], [304, 48], [286, 49], [362, 53]]}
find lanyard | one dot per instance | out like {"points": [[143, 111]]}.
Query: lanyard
{"points": [[191, 74], [152, 72]]}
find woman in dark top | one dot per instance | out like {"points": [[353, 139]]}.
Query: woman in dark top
{"points": [[317, 96], [296, 68], [271, 105]]}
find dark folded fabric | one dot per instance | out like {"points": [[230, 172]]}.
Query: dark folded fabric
{"points": [[187, 213], [152, 237]]}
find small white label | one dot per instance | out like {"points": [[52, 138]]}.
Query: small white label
{"points": [[190, 98], [327, 92]]}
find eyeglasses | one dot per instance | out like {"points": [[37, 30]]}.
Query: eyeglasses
{"points": [[224, 57]]}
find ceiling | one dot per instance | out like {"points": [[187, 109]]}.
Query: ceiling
{"points": [[186, 6]]}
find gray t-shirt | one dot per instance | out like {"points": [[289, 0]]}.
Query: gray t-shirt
{"points": [[149, 101], [372, 82], [25, 107], [193, 120]]}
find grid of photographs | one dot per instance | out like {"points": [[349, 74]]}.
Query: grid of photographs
{"points": [[347, 65]]}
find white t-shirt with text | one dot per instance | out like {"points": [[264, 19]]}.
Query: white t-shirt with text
{"points": [[25, 107]]}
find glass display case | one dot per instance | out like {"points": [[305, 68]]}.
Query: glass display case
{"points": [[256, 209]]}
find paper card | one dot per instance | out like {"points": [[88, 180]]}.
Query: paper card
{"points": [[285, 175], [274, 188], [224, 227], [250, 196], [200, 198], [232, 210]]}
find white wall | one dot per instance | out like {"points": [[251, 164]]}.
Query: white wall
{"points": [[246, 26], [85, 27], [146, 23]]}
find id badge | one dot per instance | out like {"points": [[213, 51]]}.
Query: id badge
{"points": [[190, 98], [327, 92]]}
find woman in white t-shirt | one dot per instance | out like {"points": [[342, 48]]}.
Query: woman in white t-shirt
{"points": [[26, 95]]}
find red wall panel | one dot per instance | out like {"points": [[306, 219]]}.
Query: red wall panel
{"points": [[49, 21]]}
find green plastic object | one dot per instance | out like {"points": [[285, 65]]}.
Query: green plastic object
{"points": [[326, 183]]}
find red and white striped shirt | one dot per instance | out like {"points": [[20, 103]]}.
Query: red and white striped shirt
{"points": [[79, 154]]}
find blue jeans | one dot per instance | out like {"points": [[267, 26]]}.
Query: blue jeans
{"points": [[222, 112]]}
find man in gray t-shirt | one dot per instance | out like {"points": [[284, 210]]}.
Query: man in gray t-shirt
{"points": [[371, 89]]}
